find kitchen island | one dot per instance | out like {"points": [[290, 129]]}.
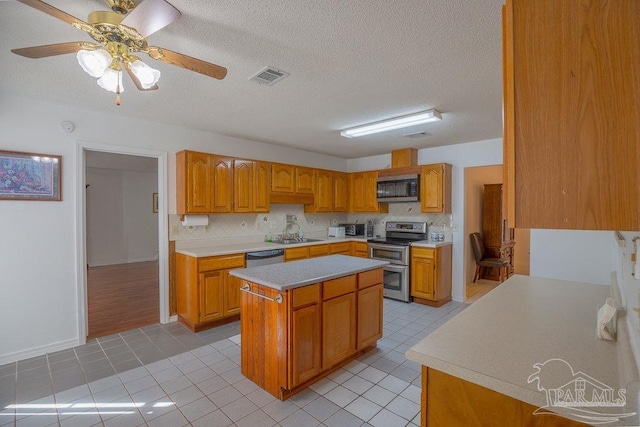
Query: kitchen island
{"points": [[302, 320], [528, 344]]}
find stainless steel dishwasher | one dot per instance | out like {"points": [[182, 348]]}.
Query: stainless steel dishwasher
{"points": [[272, 256]]}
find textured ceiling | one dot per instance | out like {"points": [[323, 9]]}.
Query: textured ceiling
{"points": [[351, 62]]}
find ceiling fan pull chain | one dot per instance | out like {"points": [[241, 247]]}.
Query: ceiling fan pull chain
{"points": [[118, 87]]}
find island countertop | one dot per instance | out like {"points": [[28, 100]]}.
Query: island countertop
{"points": [[290, 275], [526, 321]]}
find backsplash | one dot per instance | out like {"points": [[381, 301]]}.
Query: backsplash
{"points": [[313, 224]]}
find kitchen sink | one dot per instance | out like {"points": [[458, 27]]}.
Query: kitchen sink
{"points": [[294, 241]]}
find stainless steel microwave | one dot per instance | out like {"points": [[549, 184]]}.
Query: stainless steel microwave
{"points": [[398, 188]]}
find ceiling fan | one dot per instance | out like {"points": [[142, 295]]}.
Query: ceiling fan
{"points": [[120, 34]]}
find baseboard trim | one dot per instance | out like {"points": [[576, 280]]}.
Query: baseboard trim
{"points": [[38, 351]]}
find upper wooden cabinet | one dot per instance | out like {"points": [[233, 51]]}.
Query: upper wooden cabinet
{"points": [[572, 122], [435, 188], [292, 184], [363, 192], [331, 192], [204, 183], [251, 185], [340, 192]]}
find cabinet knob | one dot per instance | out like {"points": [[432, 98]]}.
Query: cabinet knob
{"points": [[564, 191], [565, 219]]}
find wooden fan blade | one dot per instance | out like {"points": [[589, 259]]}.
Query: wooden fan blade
{"points": [[185, 61], [135, 79], [150, 16], [50, 10], [43, 51]]}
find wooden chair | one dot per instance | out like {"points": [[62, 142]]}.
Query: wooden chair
{"points": [[481, 261]]}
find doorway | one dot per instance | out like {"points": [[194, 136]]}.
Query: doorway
{"points": [[474, 180], [122, 242], [122, 239]]}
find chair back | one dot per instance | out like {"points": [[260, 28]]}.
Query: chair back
{"points": [[478, 246]]}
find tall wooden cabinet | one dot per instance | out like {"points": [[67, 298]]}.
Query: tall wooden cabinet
{"points": [[497, 236], [572, 122]]}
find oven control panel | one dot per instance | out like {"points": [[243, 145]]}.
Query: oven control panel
{"points": [[408, 227]]}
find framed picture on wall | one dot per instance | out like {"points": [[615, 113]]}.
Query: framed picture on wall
{"points": [[30, 176], [155, 202]]}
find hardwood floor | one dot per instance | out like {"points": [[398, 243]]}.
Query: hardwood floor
{"points": [[122, 297]]}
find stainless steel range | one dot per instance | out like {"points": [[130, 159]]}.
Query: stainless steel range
{"points": [[395, 249]]}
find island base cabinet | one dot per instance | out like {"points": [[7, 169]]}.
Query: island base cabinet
{"points": [[313, 330], [450, 401]]}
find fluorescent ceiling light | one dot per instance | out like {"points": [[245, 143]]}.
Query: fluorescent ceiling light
{"points": [[395, 123]]}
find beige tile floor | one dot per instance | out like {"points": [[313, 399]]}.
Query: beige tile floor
{"points": [[163, 375]]}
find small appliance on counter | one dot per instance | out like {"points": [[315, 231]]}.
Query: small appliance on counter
{"points": [[353, 229], [337, 232]]}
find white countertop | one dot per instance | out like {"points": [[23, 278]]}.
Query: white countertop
{"points": [[225, 246], [496, 341], [290, 275]]}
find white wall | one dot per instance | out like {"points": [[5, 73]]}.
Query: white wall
{"points": [[461, 156], [630, 288], [577, 255], [121, 224], [38, 260]]}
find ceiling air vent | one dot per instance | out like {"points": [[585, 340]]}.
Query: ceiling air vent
{"points": [[417, 134], [269, 76]]}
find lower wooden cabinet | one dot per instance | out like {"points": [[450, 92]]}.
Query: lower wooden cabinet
{"points": [[206, 293], [360, 249], [343, 248], [338, 320], [316, 329], [431, 275]]}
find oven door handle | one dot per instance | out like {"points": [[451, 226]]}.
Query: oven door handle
{"points": [[396, 268], [383, 246]]}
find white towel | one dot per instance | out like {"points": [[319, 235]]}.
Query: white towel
{"points": [[605, 314]]}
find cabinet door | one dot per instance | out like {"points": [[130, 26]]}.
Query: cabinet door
{"points": [[340, 192], [338, 329], [231, 294], [305, 344], [576, 122], [370, 188], [435, 188], [282, 178], [340, 248], [357, 192], [261, 185], [222, 191], [242, 185], [199, 185], [292, 254], [324, 193], [211, 295], [369, 315], [305, 180], [423, 274]]}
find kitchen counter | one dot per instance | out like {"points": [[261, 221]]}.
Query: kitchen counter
{"points": [[295, 274], [225, 246], [525, 321], [431, 244]]}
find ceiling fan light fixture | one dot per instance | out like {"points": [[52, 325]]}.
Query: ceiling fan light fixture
{"points": [[147, 76], [394, 123], [94, 62], [111, 80]]}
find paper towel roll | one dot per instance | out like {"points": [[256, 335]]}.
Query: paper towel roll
{"points": [[195, 220]]}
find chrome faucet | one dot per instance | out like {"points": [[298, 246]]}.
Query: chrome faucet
{"points": [[287, 234]]}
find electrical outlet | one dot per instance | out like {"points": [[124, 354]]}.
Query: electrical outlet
{"points": [[174, 229], [273, 225]]}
